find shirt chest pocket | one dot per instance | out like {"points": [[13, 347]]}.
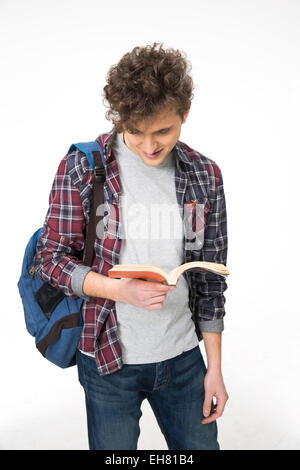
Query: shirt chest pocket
{"points": [[194, 220]]}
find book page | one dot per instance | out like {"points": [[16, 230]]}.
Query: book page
{"points": [[200, 266]]}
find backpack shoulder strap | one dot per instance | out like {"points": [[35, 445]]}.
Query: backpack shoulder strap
{"points": [[88, 148], [95, 156]]}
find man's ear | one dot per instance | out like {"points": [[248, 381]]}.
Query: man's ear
{"points": [[185, 115]]}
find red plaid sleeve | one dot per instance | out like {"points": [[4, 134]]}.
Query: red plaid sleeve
{"points": [[63, 233]]}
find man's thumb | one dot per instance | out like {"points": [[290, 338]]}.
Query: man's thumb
{"points": [[206, 407]]}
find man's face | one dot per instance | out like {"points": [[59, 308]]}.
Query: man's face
{"points": [[153, 135]]}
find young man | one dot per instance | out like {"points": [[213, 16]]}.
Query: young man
{"points": [[140, 338]]}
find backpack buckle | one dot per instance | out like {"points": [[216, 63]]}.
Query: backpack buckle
{"points": [[99, 174]]}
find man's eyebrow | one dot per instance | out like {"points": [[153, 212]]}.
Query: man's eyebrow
{"points": [[159, 130]]}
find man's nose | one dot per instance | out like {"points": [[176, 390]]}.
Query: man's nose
{"points": [[150, 146]]}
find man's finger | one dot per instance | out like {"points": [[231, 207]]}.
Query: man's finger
{"points": [[215, 412], [207, 405]]}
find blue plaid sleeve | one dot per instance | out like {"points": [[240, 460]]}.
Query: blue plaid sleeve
{"points": [[209, 299]]}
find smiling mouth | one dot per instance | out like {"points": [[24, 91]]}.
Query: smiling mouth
{"points": [[151, 155]]}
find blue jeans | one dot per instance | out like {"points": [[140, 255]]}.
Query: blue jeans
{"points": [[174, 388]]}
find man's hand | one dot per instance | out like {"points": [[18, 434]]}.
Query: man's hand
{"points": [[143, 294], [213, 387]]}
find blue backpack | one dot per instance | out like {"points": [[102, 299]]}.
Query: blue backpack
{"points": [[52, 317]]}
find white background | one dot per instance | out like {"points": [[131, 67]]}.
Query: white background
{"points": [[245, 116]]}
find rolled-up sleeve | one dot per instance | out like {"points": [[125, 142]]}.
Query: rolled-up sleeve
{"points": [[56, 259]]}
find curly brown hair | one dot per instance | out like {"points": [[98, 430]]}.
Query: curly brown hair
{"points": [[144, 81]]}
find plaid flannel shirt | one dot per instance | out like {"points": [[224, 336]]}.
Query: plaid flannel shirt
{"points": [[197, 179]]}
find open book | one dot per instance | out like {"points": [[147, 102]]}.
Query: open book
{"points": [[154, 273]]}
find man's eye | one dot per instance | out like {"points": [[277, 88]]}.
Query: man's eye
{"points": [[135, 131]]}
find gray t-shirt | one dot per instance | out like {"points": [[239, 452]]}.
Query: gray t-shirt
{"points": [[148, 198]]}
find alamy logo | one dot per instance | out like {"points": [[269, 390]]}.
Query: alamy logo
{"points": [[153, 222]]}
